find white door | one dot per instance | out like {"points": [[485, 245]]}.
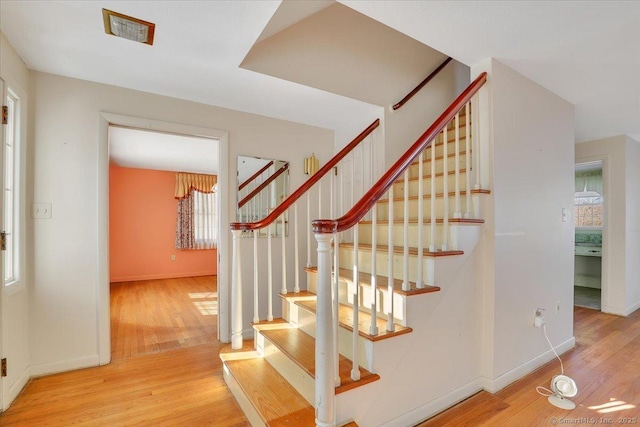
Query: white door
{"points": [[13, 293]]}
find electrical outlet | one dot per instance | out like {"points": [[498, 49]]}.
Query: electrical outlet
{"points": [[173, 257], [538, 319]]}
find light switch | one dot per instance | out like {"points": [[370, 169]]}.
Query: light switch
{"points": [[41, 211]]}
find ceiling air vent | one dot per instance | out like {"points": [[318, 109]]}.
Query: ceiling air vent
{"points": [[128, 27]]}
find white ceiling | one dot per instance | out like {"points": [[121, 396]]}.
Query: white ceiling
{"points": [[586, 52], [142, 149]]}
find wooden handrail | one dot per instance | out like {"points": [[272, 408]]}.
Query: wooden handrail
{"points": [[255, 175], [262, 186], [359, 210], [422, 84], [293, 197]]}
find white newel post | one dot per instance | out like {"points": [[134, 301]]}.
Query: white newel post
{"points": [[236, 293], [325, 392]]}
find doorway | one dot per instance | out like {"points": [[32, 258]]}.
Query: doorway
{"points": [[589, 217], [104, 297]]}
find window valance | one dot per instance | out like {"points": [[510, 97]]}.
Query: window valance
{"points": [[589, 181], [185, 182]]}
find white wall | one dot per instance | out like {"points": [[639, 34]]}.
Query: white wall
{"points": [[529, 249], [612, 152], [633, 225], [403, 126], [15, 300], [65, 127]]}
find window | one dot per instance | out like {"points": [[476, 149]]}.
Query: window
{"points": [[10, 215], [588, 209], [205, 219]]}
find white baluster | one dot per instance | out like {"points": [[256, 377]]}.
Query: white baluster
{"points": [[467, 130], [432, 242], [445, 191], [420, 281], [475, 123], [373, 328], [236, 293], [336, 307], [256, 287], [310, 237], [355, 371], [284, 254], [391, 326], [457, 211], [325, 354], [320, 198], [296, 289], [405, 283], [270, 274]]}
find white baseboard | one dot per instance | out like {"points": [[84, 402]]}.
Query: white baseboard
{"points": [[493, 385], [435, 406], [161, 276], [633, 308], [16, 388], [65, 365], [618, 311]]}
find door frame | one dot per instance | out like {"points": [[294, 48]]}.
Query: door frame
{"points": [[103, 291], [605, 282]]}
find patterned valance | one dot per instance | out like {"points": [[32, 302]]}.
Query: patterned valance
{"points": [[187, 181]]}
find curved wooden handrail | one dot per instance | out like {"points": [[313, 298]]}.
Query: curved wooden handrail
{"points": [[293, 197], [359, 210], [255, 175], [262, 186], [422, 84]]}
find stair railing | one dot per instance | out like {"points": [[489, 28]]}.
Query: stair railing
{"points": [[279, 215], [421, 84], [256, 206], [259, 198], [324, 229]]}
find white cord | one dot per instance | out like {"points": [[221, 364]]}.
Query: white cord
{"points": [[544, 329], [544, 389]]}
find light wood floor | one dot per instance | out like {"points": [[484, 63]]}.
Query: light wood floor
{"points": [[157, 315], [184, 387]]}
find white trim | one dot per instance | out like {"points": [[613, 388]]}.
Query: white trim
{"points": [[16, 387], [632, 308], [493, 385], [103, 292], [436, 406], [618, 311], [162, 276], [64, 365]]}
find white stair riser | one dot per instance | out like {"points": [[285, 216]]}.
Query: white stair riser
{"points": [[364, 264], [398, 208], [398, 186], [290, 370], [451, 146], [414, 169], [398, 236], [346, 291]]}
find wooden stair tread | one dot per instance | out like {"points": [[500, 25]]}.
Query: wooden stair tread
{"points": [[300, 347], [426, 221], [399, 250], [381, 282], [277, 402], [364, 320], [438, 195]]}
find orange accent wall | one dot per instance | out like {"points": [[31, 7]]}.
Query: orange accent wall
{"points": [[142, 226]]}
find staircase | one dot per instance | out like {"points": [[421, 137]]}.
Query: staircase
{"points": [[405, 252]]}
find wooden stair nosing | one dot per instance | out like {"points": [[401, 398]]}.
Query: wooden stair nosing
{"points": [[300, 348], [438, 158], [273, 398], [381, 282], [399, 250], [426, 221], [364, 320], [438, 195]]}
